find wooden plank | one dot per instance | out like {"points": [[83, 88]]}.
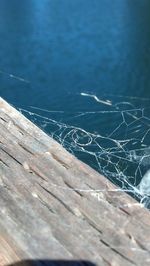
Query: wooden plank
{"points": [[52, 206]]}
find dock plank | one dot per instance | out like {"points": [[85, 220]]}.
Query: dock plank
{"points": [[53, 206]]}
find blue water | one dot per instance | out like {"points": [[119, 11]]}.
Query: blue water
{"points": [[53, 52]]}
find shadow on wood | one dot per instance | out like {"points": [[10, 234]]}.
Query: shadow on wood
{"points": [[52, 263]]}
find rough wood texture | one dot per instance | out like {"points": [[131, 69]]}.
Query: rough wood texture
{"points": [[44, 216]]}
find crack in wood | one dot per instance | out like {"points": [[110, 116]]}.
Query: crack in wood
{"points": [[116, 251], [11, 156], [46, 205], [25, 148], [72, 188], [3, 119], [124, 210], [91, 223], [58, 199], [55, 157], [123, 256], [141, 246], [21, 132], [36, 171], [4, 163], [137, 242], [106, 261]]}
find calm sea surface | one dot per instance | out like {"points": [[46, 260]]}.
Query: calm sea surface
{"points": [[87, 59]]}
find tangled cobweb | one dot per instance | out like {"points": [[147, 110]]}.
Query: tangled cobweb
{"points": [[118, 146]]}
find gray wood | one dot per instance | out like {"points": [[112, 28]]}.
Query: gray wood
{"points": [[52, 206]]}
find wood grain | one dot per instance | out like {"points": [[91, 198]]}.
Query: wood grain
{"points": [[45, 215]]}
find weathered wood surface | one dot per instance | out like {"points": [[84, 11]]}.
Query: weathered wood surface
{"points": [[43, 215]]}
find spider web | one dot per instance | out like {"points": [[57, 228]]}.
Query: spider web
{"points": [[114, 139]]}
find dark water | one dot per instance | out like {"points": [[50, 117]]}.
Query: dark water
{"points": [[62, 48]]}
